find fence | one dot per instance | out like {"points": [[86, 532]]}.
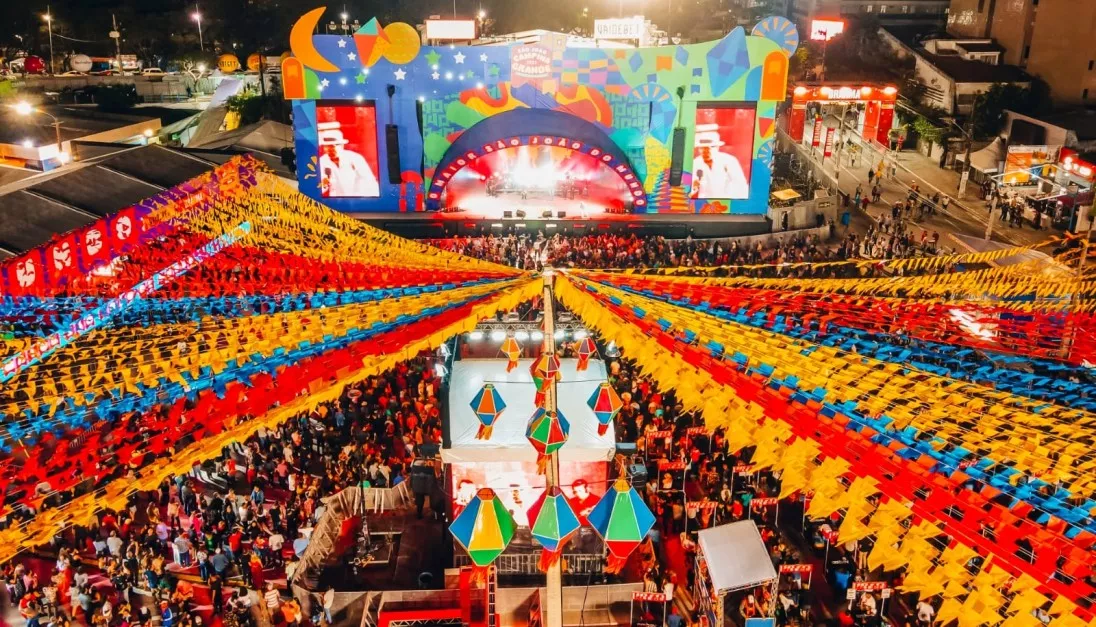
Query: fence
{"points": [[526, 563]]}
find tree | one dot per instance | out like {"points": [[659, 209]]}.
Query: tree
{"points": [[989, 107], [248, 105]]}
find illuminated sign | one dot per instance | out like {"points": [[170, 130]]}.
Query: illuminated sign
{"points": [[451, 30], [619, 28], [844, 93], [825, 30]]}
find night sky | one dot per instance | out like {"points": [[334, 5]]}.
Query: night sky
{"points": [[165, 27]]}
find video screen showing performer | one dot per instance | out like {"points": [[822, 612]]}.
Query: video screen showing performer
{"points": [[723, 152], [347, 143]]}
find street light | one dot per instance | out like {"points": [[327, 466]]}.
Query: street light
{"points": [[25, 108], [49, 25], [197, 17]]}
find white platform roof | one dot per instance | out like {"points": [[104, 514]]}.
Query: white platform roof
{"points": [[508, 441], [736, 556]]}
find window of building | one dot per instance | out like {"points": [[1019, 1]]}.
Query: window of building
{"points": [[1090, 63], [868, 8], [882, 8], [981, 5], [905, 8], [1084, 94], [1027, 51]]}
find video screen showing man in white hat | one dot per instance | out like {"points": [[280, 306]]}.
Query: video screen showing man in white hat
{"points": [[716, 173], [344, 173]]}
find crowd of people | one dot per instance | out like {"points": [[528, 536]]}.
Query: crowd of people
{"points": [[227, 537]]}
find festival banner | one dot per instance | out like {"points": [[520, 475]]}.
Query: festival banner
{"points": [[829, 143]]}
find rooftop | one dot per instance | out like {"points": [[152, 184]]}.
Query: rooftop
{"points": [[981, 47], [1081, 121], [963, 71], [76, 122]]}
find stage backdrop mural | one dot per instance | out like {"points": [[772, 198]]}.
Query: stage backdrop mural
{"points": [[617, 107]]}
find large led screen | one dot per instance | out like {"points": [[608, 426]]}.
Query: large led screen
{"points": [[347, 137], [723, 152]]}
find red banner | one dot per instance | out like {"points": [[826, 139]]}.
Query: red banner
{"points": [[660, 434], [651, 597], [796, 568], [665, 465], [829, 143], [696, 431], [744, 469], [764, 502], [61, 259], [869, 586], [125, 231], [816, 136], [94, 246], [696, 506], [27, 276]]}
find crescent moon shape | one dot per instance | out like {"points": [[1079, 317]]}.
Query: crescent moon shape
{"points": [[300, 41]]}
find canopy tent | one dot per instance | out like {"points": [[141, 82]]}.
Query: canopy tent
{"points": [[988, 159], [508, 442], [736, 557]]}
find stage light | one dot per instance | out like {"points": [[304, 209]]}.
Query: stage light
{"points": [[358, 98], [496, 225], [479, 85], [448, 76], [475, 336], [581, 334], [342, 81], [498, 336], [559, 335], [422, 98], [611, 350], [521, 335], [440, 370], [28, 143]]}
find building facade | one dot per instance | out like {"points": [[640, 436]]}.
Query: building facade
{"points": [[1051, 39], [888, 12]]}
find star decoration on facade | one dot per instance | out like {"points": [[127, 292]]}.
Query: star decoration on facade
{"points": [[325, 83], [360, 79], [483, 57], [342, 43], [459, 57], [400, 74], [351, 56], [433, 57], [435, 75]]}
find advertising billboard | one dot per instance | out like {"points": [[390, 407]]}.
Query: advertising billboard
{"points": [[620, 28], [451, 30], [723, 151], [1024, 161], [825, 30], [347, 135]]}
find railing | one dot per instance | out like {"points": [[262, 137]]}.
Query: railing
{"points": [[526, 563]]}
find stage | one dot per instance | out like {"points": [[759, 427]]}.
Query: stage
{"points": [[438, 225]]}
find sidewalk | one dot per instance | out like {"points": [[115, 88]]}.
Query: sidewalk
{"points": [[963, 217]]}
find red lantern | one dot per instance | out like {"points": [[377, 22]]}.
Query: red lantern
{"points": [[584, 350]]}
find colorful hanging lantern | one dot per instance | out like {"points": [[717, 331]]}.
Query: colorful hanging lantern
{"points": [[512, 350], [544, 369], [484, 528], [554, 523], [547, 432], [584, 350], [488, 405], [622, 520], [606, 404]]}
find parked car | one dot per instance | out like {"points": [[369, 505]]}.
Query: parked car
{"points": [[72, 73], [152, 71], [108, 73]]}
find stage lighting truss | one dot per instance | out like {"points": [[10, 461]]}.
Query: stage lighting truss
{"points": [[568, 330]]}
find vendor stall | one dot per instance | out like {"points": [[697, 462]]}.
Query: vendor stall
{"points": [[732, 558]]}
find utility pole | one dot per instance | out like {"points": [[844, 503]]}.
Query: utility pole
{"points": [[966, 162], [116, 35], [553, 608], [49, 26]]}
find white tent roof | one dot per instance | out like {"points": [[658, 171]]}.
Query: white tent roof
{"points": [[987, 159], [516, 388], [736, 556]]}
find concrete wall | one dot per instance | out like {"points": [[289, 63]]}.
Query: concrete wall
{"points": [[1011, 27], [1062, 46], [970, 18], [941, 92]]}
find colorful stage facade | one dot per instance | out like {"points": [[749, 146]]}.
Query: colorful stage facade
{"points": [[383, 123]]}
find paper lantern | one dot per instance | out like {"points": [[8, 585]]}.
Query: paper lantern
{"points": [[553, 525], [585, 349], [512, 350], [484, 528], [547, 432], [605, 404], [622, 520], [544, 369], [488, 405]]}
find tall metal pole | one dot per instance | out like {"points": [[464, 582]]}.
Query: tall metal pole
{"points": [[117, 36], [454, 9], [198, 18], [553, 606], [49, 27], [965, 178]]}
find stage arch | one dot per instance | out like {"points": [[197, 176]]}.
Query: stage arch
{"points": [[533, 127]]}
